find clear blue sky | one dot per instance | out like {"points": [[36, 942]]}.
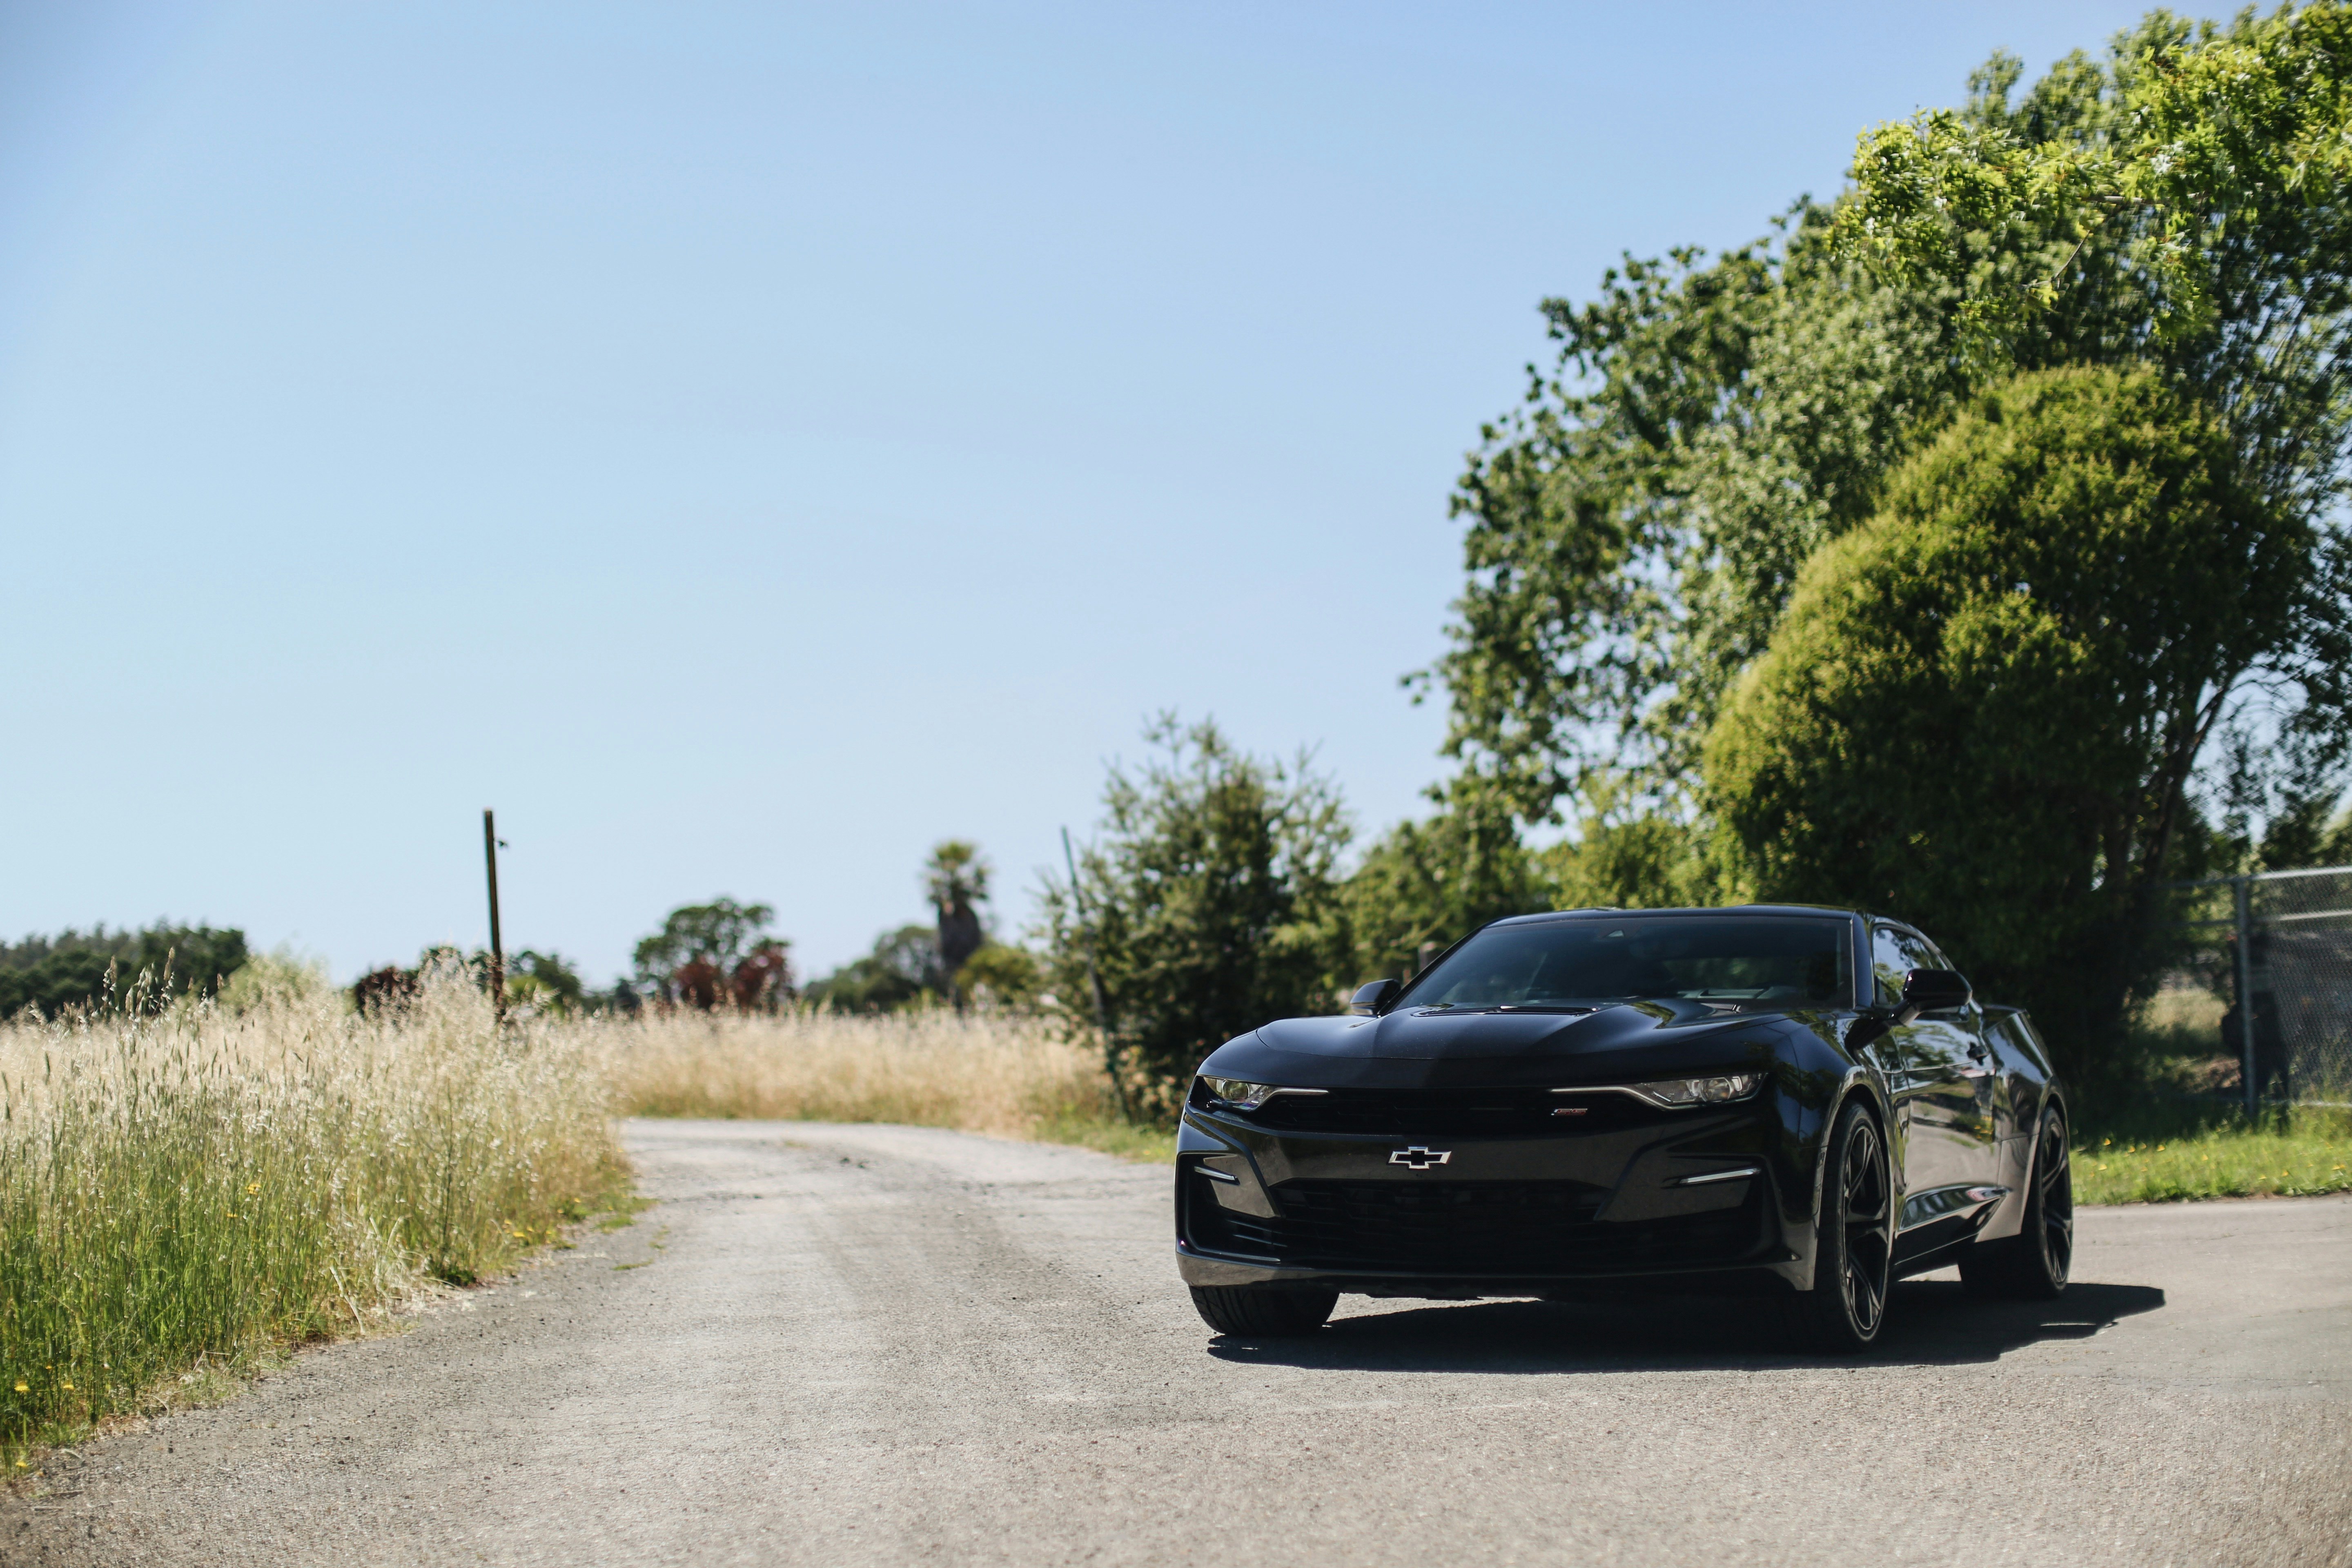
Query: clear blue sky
{"points": [[745, 444]]}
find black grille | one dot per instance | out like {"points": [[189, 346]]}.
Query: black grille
{"points": [[1450, 1113], [1464, 1228]]}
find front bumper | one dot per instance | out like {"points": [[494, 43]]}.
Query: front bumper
{"points": [[1617, 1195]]}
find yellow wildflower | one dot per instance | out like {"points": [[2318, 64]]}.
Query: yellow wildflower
{"points": [[252, 1188], [23, 1387]]}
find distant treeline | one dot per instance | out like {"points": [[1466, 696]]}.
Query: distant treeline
{"points": [[92, 968]]}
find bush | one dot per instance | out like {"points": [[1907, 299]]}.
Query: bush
{"points": [[1209, 904]]}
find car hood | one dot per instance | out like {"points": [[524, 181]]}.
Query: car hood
{"points": [[1417, 1046]]}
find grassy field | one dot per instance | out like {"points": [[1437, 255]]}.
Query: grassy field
{"points": [[2163, 1153], [183, 1193], [1014, 1078], [2184, 1133]]}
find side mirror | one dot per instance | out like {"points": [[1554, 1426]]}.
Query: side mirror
{"points": [[1935, 991], [1373, 995]]}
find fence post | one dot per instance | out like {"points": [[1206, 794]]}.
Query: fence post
{"points": [[2240, 886]]}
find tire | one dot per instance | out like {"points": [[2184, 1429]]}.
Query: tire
{"points": [[2033, 1265], [1853, 1245], [1259, 1313]]}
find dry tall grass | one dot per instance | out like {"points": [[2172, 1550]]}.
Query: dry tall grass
{"points": [[213, 1180], [984, 1074], [205, 1183]]}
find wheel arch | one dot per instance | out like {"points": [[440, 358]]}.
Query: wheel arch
{"points": [[1858, 1086]]}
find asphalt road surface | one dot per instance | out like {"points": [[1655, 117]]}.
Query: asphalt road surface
{"points": [[836, 1344]]}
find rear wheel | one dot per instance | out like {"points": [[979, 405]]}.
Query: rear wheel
{"points": [[2033, 1264], [1853, 1242], [1262, 1313]]}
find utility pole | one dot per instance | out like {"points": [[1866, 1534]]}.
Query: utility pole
{"points": [[1094, 980], [498, 952]]}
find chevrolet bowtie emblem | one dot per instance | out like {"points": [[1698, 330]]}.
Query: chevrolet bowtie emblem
{"points": [[1419, 1158]]}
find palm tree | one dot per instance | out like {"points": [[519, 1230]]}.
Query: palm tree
{"points": [[956, 879]]}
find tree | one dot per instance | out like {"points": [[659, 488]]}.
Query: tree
{"points": [[903, 970], [2207, 191], [1630, 855], [1983, 710], [955, 878], [1001, 975], [1424, 884], [720, 934], [1209, 902], [546, 982], [1632, 530], [1636, 528], [87, 968]]}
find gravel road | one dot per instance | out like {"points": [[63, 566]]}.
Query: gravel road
{"points": [[836, 1344]]}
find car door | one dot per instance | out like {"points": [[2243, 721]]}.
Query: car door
{"points": [[1974, 1121], [1936, 1067]]}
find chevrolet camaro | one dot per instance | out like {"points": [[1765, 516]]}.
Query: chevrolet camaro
{"points": [[1795, 1104]]}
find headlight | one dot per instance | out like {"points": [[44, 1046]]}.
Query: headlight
{"points": [[1716, 1089], [1235, 1092]]}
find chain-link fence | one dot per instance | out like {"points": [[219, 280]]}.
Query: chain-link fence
{"points": [[2276, 947]]}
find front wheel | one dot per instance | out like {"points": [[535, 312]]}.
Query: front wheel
{"points": [[1853, 1242], [2033, 1264], [1259, 1311]]}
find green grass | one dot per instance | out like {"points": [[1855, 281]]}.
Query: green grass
{"points": [[620, 1212], [2165, 1153], [1152, 1146]]}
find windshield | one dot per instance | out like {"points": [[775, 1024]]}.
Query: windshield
{"points": [[1740, 960]]}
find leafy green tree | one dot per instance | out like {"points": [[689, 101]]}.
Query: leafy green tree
{"points": [[1209, 901], [1424, 884], [2201, 204], [902, 971], [1635, 529], [1983, 710], [546, 981], [1631, 856], [91, 968], [722, 934], [1001, 975]]}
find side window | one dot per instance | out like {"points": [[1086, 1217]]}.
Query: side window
{"points": [[1887, 966], [1936, 958], [1894, 953]]}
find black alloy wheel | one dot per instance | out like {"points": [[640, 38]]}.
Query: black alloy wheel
{"points": [[1261, 1311], [2033, 1264], [1855, 1242]]}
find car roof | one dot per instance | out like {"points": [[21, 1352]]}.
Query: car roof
{"points": [[1765, 909]]}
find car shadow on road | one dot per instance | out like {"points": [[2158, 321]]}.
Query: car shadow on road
{"points": [[1928, 1323]]}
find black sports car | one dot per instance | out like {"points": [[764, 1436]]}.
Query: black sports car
{"points": [[1777, 1101]]}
